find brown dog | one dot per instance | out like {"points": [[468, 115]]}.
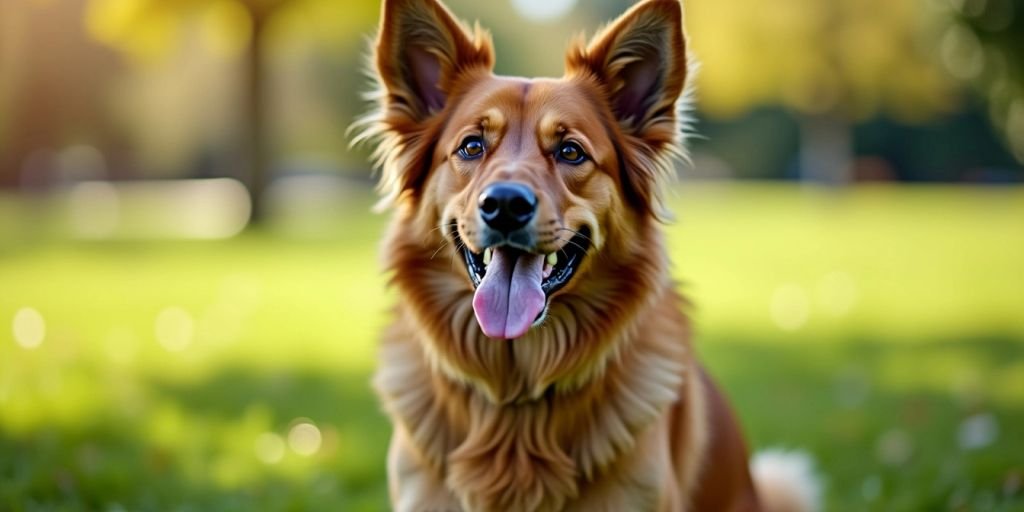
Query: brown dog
{"points": [[540, 357]]}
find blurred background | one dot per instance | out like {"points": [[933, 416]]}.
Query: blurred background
{"points": [[190, 296]]}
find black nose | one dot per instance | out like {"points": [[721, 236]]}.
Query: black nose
{"points": [[507, 206]]}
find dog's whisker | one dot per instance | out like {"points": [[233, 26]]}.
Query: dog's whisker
{"points": [[581, 235], [564, 254], [443, 245], [585, 250], [438, 228]]}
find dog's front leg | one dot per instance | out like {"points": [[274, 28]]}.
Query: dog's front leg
{"points": [[642, 480], [412, 484]]}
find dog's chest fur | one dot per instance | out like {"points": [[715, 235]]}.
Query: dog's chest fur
{"points": [[536, 453]]}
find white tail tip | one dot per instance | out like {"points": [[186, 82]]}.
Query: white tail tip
{"points": [[786, 481]]}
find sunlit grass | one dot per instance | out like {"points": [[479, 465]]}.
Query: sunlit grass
{"points": [[909, 261], [873, 327]]}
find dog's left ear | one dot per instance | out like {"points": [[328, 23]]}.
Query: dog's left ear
{"points": [[640, 61]]}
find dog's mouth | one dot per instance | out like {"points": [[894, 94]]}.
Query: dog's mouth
{"points": [[514, 286]]}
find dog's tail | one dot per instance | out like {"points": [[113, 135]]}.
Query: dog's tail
{"points": [[786, 481]]}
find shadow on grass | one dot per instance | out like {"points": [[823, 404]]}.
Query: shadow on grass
{"points": [[342, 398], [886, 431], [118, 463]]}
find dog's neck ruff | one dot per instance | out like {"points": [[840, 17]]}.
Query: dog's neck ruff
{"points": [[565, 401]]}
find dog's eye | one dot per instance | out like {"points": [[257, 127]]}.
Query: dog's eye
{"points": [[571, 153], [472, 147]]}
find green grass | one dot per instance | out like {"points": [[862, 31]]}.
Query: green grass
{"points": [[872, 327]]}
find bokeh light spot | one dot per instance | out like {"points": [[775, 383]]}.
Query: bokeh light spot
{"points": [[305, 438], [790, 307], [29, 328], [543, 10], [174, 329], [978, 431], [961, 52], [270, 448]]}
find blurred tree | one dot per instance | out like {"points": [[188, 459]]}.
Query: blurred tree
{"points": [[146, 29], [40, 114], [832, 62], [982, 42]]}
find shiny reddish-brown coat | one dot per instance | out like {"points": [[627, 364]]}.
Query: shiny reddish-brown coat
{"points": [[603, 406]]}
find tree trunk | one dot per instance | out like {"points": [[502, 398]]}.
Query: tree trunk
{"points": [[255, 146]]}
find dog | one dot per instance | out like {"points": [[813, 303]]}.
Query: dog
{"points": [[540, 355]]}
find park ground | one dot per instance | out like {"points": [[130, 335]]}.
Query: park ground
{"points": [[879, 328]]}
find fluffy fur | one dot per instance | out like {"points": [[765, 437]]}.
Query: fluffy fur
{"points": [[786, 480], [603, 406]]}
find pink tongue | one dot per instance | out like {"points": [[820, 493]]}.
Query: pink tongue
{"points": [[509, 298]]}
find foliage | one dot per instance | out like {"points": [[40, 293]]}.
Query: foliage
{"points": [[853, 57], [982, 42], [149, 29]]}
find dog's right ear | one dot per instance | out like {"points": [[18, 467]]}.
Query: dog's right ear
{"points": [[421, 50]]}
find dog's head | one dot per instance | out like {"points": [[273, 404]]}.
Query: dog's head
{"points": [[536, 183]]}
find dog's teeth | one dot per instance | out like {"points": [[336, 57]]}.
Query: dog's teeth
{"points": [[487, 256], [552, 259]]}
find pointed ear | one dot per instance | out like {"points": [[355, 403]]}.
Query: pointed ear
{"points": [[421, 49], [640, 59], [420, 53]]}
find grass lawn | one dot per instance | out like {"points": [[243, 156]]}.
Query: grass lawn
{"points": [[879, 328]]}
